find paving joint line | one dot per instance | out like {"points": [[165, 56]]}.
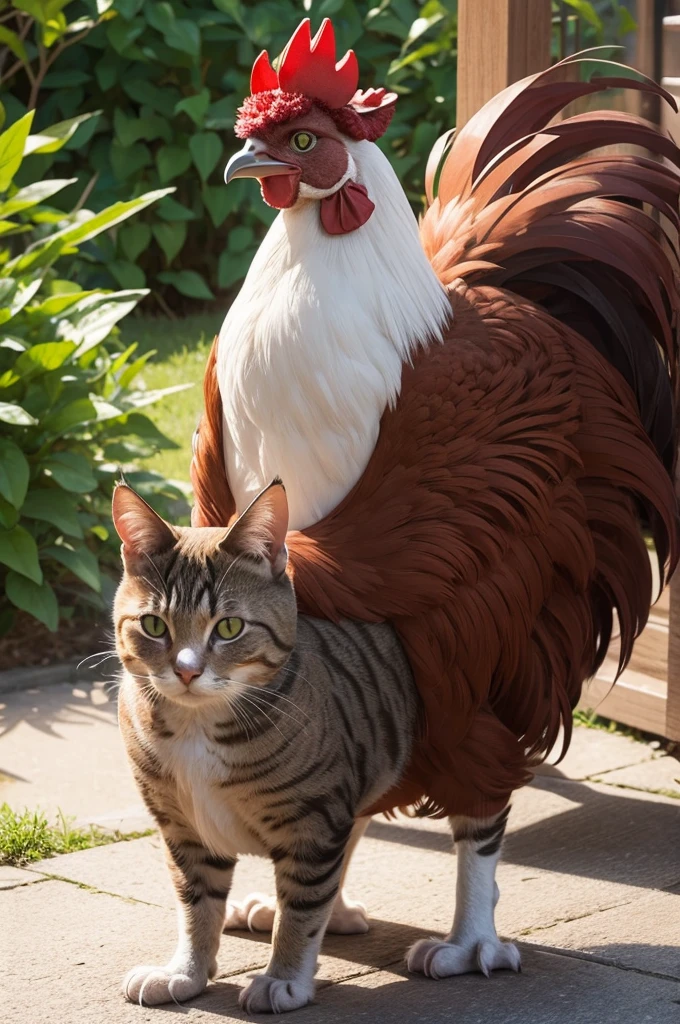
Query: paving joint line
{"points": [[25, 884], [576, 917], [671, 794], [603, 961], [100, 892]]}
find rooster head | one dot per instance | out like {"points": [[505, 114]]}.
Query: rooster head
{"points": [[297, 123]]}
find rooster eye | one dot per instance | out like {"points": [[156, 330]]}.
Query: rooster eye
{"points": [[302, 142]]}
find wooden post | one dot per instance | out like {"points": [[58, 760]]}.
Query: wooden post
{"points": [[499, 42], [672, 730]]}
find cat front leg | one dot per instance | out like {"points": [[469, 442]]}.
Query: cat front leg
{"points": [[202, 882], [307, 884]]}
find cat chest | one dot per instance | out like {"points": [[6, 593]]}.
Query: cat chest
{"points": [[211, 808]]}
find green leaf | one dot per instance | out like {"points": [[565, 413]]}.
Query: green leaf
{"points": [[129, 374], [12, 143], [111, 216], [170, 209], [105, 410], [14, 472], [19, 551], [140, 399], [195, 106], [123, 357], [133, 240], [240, 238], [79, 560], [184, 35], [13, 42], [72, 415], [9, 516], [54, 507], [139, 425], [14, 414], [39, 601], [26, 288], [90, 321], [49, 140], [43, 253], [172, 161], [230, 268], [171, 238], [33, 194], [128, 275], [160, 16], [50, 355], [219, 202], [206, 150], [187, 282], [71, 471]]}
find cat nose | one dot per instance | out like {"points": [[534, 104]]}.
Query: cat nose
{"points": [[187, 666]]}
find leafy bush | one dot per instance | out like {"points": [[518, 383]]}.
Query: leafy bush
{"points": [[70, 410], [168, 77]]}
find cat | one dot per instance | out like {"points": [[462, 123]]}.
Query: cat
{"points": [[250, 730]]}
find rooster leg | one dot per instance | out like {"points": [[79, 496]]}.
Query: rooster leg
{"points": [[473, 944], [256, 912]]}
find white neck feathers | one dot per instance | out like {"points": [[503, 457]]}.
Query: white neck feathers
{"points": [[311, 352]]}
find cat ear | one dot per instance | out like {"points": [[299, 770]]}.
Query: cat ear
{"points": [[261, 530], [141, 530]]}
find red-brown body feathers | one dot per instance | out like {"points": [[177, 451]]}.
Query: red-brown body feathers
{"points": [[498, 522]]}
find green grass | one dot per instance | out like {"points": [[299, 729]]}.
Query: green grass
{"points": [[182, 348], [27, 836]]}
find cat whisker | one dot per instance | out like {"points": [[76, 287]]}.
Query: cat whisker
{"points": [[242, 696], [101, 655], [275, 697]]}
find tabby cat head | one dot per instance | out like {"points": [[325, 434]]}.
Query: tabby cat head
{"points": [[202, 613]]}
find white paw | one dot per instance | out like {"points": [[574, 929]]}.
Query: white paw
{"points": [[273, 995], [150, 986], [437, 959], [255, 913], [348, 918]]}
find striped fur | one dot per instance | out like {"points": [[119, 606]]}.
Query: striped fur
{"points": [[277, 745]]}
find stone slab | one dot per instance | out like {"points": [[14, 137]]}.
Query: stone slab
{"points": [[69, 947], [594, 751], [572, 851], [552, 989], [60, 749], [643, 935], [11, 876], [662, 774]]}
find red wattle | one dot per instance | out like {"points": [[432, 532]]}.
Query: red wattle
{"points": [[347, 209], [281, 190]]}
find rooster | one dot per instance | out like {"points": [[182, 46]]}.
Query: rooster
{"points": [[474, 417]]}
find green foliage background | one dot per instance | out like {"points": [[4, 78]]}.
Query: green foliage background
{"points": [[167, 78]]}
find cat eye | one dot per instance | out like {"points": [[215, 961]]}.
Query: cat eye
{"points": [[229, 629], [302, 142], [153, 626]]}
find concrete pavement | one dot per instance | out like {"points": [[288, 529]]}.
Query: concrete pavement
{"points": [[590, 886]]}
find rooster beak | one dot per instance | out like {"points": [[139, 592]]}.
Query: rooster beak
{"points": [[248, 163]]}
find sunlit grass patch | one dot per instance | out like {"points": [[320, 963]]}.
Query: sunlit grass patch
{"points": [[27, 836]]}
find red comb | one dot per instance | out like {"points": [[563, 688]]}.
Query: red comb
{"points": [[308, 67]]}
